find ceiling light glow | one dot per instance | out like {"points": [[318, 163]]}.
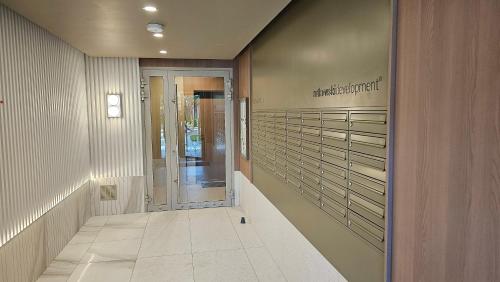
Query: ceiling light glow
{"points": [[150, 9], [158, 35], [155, 27], [163, 52]]}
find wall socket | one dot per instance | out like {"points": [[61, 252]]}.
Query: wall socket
{"points": [[108, 192]]}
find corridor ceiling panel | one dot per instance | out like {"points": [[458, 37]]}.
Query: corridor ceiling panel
{"points": [[209, 29]]}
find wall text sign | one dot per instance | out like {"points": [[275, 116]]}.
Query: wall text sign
{"points": [[349, 88]]}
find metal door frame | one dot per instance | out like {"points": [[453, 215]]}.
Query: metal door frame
{"points": [[173, 118], [147, 141], [169, 74]]}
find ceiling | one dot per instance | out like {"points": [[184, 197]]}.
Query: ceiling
{"points": [[201, 29]]}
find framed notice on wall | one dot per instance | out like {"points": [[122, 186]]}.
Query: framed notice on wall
{"points": [[244, 127]]}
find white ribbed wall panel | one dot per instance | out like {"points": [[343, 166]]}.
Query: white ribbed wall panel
{"points": [[44, 143], [130, 196], [116, 143], [27, 255]]}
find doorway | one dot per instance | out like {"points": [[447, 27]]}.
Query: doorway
{"points": [[188, 138]]}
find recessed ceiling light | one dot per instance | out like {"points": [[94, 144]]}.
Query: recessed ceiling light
{"points": [[150, 9], [158, 35], [163, 52], [155, 27]]}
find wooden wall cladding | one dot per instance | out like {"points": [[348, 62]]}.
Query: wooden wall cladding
{"points": [[244, 91], [447, 141], [186, 63]]}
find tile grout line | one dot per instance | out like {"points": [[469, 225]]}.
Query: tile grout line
{"points": [[274, 261], [267, 249], [140, 246], [242, 245], [265, 245], [191, 244], [90, 243], [161, 256], [112, 241], [93, 241]]}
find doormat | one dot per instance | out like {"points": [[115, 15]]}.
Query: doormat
{"points": [[213, 184]]}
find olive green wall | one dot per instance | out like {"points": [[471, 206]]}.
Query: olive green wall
{"points": [[315, 44], [319, 44]]}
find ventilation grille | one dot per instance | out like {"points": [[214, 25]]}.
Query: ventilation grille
{"points": [[108, 193]]}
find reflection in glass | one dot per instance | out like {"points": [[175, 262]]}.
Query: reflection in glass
{"points": [[158, 141], [201, 139]]}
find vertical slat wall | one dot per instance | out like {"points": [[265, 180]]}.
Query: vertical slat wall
{"points": [[44, 144], [25, 257], [115, 143]]}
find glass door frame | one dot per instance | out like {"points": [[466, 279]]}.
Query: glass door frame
{"points": [[173, 132], [147, 141], [172, 158]]}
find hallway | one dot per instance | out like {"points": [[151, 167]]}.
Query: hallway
{"points": [[359, 139], [188, 245]]}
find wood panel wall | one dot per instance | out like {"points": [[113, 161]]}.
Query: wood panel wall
{"points": [[186, 87], [243, 64], [447, 141], [185, 63], [156, 87]]}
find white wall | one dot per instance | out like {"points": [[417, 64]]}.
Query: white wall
{"points": [[44, 144], [116, 143], [25, 257], [295, 255]]}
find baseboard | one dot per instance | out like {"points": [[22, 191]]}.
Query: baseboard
{"points": [[26, 256], [297, 258]]}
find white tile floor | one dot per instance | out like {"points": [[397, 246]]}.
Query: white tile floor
{"points": [[194, 245]]}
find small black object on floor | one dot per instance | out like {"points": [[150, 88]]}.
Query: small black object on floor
{"points": [[242, 221]]}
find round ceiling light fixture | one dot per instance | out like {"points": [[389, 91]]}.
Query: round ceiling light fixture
{"points": [[158, 35], [155, 28], [163, 52], [150, 9]]}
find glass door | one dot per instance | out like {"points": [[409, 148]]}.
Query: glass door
{"points": [[200, 123], [156, 143]]}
